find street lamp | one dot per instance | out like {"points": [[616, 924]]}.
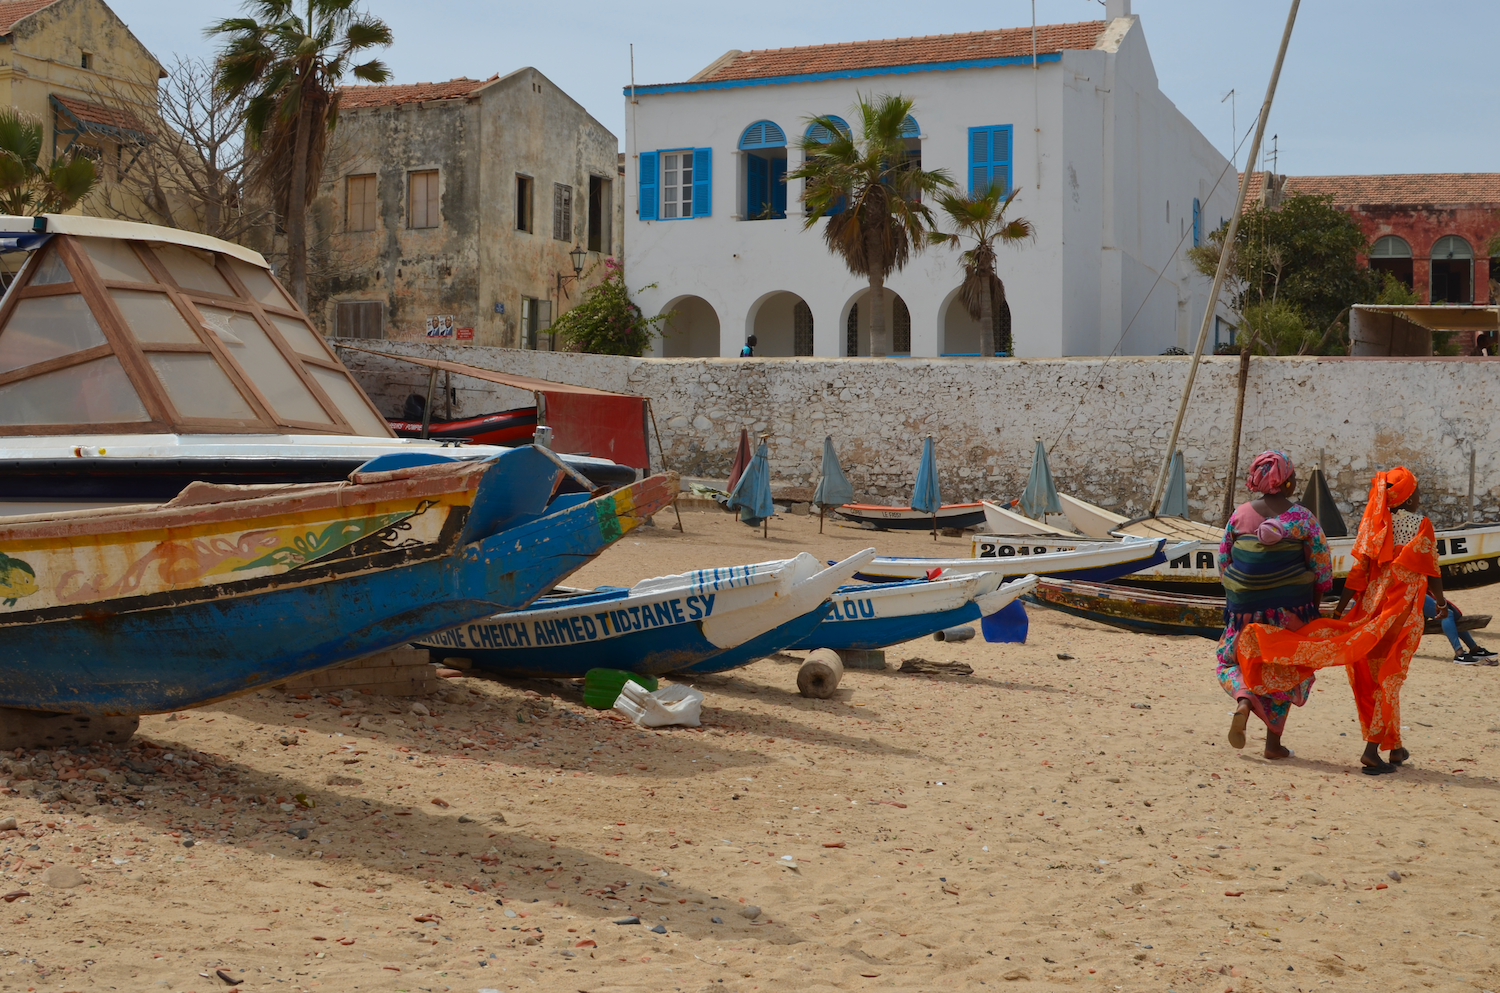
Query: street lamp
{"points": [[578, 255]]}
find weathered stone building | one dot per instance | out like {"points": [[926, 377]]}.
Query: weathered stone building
{"points": [[461, 199], [76, 67]]}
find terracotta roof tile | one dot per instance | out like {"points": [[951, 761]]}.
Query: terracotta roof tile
{"points": [[1400, 189], [12, 11], [1005, 42], [352, 97], [94, 113]]}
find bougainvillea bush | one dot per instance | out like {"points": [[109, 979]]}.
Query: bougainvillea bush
{"points": [[606, 321]]}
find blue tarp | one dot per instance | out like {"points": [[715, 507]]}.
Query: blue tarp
{"points": [[926, 498], [1041, 495], [1174, 500], [751, 495], [1006, 626], [834, 488]]}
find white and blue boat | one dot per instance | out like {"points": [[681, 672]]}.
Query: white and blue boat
{"points": [[1095, 562], [708, 620], [868, 617]]}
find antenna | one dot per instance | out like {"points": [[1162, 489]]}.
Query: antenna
{"points": [[1234, 131], [1275, 150], [632, 74], [1036, 113]]}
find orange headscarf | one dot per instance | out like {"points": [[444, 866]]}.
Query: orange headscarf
{"points": [[1375, 546]]}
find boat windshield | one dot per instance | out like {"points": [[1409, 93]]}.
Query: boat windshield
{"points": [[101, 334]]}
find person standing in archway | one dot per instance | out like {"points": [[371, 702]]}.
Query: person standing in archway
{"points": [[747, 351]]}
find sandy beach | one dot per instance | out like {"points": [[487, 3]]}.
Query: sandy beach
{"points": [[1048, 821]]}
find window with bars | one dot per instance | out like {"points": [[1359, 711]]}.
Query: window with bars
{"points": [[802, 329], [359, 319], [360, 215], [851, 333], [422, 199], [900, 327], [562, 212]]}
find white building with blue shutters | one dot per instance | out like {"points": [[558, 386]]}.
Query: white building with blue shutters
{"points": [[1116, 180]]}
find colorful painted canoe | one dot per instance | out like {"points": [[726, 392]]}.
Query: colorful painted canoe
{"points": [[661, 625], [1091, 561], [878, 616], [506, 427], [226, 588], [949, 515], [1148, 612]]}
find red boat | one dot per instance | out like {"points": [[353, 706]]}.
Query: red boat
{"points": [[508, 427]]}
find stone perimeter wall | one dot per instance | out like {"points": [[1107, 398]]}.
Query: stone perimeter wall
{"points": [[1104, 422]]}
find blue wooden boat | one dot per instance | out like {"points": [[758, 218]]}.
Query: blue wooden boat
{"points": [[1096, 562], [707, 620], [885, 614], [226, 588]]}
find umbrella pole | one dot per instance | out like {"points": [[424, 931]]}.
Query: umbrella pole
{"points": [[822, 510], [765, 527], [663, 453], [934, 527]]}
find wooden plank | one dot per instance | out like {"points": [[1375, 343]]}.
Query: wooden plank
{"points": [[54, 364]]}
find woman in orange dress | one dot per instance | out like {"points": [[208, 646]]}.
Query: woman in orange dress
{"points": [[1395, 569]]}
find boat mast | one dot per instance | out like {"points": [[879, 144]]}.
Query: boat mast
{"points": [[1224, 257]]}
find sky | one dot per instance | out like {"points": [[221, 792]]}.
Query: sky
{"points": [[1369, 86]]}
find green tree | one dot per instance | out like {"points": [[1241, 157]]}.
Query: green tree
{"points": [[872, 196], [1305, 254], [289, 58], [980, 217], [606, 320], [26, 187]]}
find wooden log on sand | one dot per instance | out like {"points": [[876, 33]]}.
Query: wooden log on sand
{"points": [[820, 674]]}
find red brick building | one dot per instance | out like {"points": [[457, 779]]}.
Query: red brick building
{"points": [[1432, 231]]}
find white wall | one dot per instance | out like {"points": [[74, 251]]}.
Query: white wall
{"points": [[1105, 422], [1110, 157]]}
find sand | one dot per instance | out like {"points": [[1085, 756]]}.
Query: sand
{"points": [[1029, 826]]}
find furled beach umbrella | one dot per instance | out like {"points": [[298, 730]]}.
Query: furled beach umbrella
{"points": [[1174, 502], [741, 459], [926, 498], [751, 495], [834, 489], [1040, 497]]}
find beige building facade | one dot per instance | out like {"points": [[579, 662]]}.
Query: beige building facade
{"points": [[453, 208], [76, 67]]}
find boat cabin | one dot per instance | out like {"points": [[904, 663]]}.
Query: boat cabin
{"points": [[112, 327]]}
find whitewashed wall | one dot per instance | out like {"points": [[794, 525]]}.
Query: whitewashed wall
{"points": [[1104, 422]]}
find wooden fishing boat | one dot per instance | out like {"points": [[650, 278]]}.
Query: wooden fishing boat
{"points": [[1003, 522], [1151, 612], [949, 515], [137, 359], [150, 609], [878, 616], [1091, 561], [507, 427], [708, 620]]}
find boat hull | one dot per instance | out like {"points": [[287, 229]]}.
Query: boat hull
{"points": [[872, 617], [778, 639], [159, 650], [1131, 610], [1097, 562], [953, 515], [507, 427]]}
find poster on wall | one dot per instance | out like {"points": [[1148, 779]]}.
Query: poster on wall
{"points": [[464, 334], [440, 326]]}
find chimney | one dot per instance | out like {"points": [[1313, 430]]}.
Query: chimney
{"points": [[1116, 8]]}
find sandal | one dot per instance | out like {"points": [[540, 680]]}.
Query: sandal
{"points": [[1397, 756], [1237, 728]]}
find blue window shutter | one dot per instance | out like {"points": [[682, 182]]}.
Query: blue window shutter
{"points": [[979, 160], [755, 185], [1001, 158], [703, 182], [648, 178], [778, 187], [1197, 221]]}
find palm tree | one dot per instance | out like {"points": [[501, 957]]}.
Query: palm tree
{"points": [[289, 58], [871, 193], [25, 186], [981, 217]]}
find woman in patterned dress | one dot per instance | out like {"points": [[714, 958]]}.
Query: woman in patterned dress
{"points": [[1275, 566], [1396, 568]]}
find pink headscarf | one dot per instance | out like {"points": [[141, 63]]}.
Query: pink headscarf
{"points": [[1269, 472]]}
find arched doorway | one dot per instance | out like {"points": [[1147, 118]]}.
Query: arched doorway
{"points": [[897, 321], [1393, 255], [692, 331], [783, 325], [1452, 271], [961, 333]]}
